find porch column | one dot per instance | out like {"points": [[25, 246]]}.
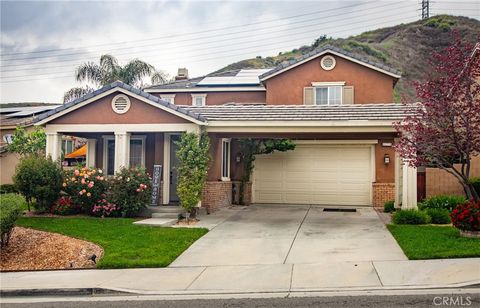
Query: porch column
{"points": [[122, 150], [54, 145], [91, 152], [409, 187]]}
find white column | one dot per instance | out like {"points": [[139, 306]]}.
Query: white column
{"points": [[409, 192], [54, 145], [91, 152], [122, 150], [166, 169]]}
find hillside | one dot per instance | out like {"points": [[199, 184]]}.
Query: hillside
{"points": [[406, 47]]}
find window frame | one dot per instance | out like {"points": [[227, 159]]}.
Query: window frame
{"points": [[106, 138], [328, 86], [225, 174], [167, 97], [143, 138], [65, 147], [202, 96]]}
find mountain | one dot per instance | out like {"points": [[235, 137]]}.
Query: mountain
{"points": [[406, 47]]}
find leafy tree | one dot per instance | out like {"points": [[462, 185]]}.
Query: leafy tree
{"points": [[40, 178], [108, 71], [28, 143], [251, 147], [443, 129], [193, 156]]}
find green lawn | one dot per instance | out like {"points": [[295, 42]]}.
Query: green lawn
{"points": [[434, 242], [125, 244]]}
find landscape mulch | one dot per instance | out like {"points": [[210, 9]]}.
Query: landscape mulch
{"points": [[38, 250]]}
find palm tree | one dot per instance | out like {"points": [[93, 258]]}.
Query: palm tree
{"points": [[109, 71]]}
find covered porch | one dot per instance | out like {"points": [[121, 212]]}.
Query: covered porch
{"points": [[136, 147]]}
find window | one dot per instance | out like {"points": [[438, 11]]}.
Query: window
{"points": [[168, 98], [137, 152], [331, 95], [67, 146], [225, 159], [199, 99]]}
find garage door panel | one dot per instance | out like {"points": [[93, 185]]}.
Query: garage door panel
{"points": [[314, 174]]}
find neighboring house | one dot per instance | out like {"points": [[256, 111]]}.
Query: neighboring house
{"points": [[337, 107], [22, 115]]}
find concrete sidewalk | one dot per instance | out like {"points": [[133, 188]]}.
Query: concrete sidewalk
{"points": [[269, 278]]}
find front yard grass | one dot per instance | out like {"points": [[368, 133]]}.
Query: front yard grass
{"points": [[434, 242], [125, 245]]}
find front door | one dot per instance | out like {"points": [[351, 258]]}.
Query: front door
{"points": [[173, 169]]}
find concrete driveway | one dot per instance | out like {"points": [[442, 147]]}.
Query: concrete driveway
{"points": [[293, 234]]}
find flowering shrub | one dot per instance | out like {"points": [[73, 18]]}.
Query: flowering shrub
{"points": [[85, 186], [104, 208], [467, 216], [65, 206], [131, 190]]}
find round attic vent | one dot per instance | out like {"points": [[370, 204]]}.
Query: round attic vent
{"points": [[328, 63], [120, 103]]}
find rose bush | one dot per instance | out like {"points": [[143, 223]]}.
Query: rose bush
{"points": [[466, 216], [131, 190], [86, 187], [65, 206], [104, 208]]}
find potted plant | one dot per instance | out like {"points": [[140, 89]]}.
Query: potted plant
{"points": [[466, 217]]}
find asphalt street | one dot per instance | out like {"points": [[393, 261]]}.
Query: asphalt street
{"points": [[374, 301]]}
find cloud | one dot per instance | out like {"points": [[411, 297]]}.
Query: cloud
{"points": [[167, 34]]}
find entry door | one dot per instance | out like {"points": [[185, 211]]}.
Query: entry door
{"points": [[173, 169]]}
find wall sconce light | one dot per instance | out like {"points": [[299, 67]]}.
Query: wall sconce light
{"points": [[386, 159], [238, 157]]}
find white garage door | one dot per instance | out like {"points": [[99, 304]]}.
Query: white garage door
{"points": [[315, 174]]}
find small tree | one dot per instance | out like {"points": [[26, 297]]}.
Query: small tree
{"points": [[251, 147], [443, 129], [40, 178], [193, 157], [28, 143]]}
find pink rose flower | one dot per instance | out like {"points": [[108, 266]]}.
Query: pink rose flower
{"points": [[76, 172]]}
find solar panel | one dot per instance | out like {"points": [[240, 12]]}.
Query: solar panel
{"points": [[243, 77], [28, 111]]}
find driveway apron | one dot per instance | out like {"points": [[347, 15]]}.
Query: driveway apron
{"points": [[279, 234]]}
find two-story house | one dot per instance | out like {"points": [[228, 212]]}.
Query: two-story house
{"points": [[337, 107]]}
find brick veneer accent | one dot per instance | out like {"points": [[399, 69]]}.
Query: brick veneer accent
{"points": [[216, 194], [382, 192], [247, 195]]}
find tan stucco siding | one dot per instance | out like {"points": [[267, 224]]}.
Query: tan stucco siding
{"points": [[219, 98], [370, 86], [101, 112]]}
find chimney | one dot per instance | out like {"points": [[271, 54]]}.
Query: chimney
{"points": [[182, 74]]}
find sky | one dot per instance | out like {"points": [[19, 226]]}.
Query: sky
{"points": [[42, 42]]}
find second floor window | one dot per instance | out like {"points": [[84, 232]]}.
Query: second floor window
{"points": [[328, 95], [199, 99]]}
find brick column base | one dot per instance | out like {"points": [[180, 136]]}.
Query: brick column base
{"points": [[247, 195], [382, 192], [216, 194]]}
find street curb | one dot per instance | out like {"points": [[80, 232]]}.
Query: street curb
{"points": [[61, 292], [125, 292]]}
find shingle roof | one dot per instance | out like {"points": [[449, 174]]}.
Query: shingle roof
{"points": [[323, 49], [301, 112], [129, 88]]}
